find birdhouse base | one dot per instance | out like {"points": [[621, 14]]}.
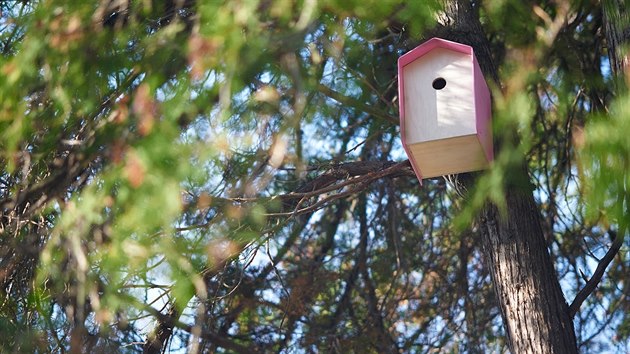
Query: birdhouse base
{"points": [[448, 156]]}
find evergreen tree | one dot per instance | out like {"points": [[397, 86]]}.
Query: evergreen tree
{"points": [[228, 176]]}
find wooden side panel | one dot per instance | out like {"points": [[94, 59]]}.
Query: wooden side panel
{"points": [[483, 112], [448, 156]]}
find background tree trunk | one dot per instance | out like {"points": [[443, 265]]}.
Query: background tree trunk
{"points": [[533, 308], [617, 34]]}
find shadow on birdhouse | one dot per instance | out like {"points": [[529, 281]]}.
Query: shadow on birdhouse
{"points": [[444, 109]]}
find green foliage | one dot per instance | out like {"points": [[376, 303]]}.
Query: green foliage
{"points": [[207, 165], [605, 165]]}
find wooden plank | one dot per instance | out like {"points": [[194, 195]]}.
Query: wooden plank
{"points": [[449, 156]]}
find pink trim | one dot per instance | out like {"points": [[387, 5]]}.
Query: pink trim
{"points": [[481, 92], [431, 44]]}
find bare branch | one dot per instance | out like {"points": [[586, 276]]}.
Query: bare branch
{"points": [[160, 335], [357, 175], [358, 183], [349, 101], [591, 285]]}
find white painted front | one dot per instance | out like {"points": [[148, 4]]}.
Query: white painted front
{"points": [[432, 114]]}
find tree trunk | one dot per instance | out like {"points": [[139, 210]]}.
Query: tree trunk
{"points": [[534, 312], [617, 31]]}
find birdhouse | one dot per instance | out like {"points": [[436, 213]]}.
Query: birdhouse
{"points": [[444, 109]]}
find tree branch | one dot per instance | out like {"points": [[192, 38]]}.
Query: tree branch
{"points": [[591, 285], [357, 174], [349, 101], [164, 329], [361, 175]]}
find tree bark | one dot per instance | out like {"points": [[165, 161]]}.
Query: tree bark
{"points": [[535, 313], [533, 308], [617, 31]]}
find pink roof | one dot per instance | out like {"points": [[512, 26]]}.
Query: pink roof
{"points": [[428, 46]]}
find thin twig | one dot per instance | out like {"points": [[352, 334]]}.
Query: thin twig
{"points": [[321, 203], [591, 285], [349, 101]]}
